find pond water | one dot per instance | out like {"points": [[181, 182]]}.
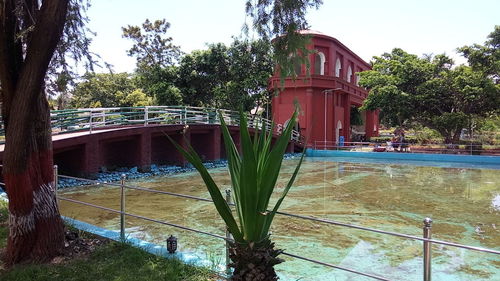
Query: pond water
{"points": [[464, 203]]}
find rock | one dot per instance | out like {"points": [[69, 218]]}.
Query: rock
{"points": [[71, 235]]}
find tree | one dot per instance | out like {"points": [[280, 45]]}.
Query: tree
{"points": [[156, 56], [429, 91], [250, 69], [231, 77], [485, 58], [394, 76], [30, 33], [150, 47], [281, 21], [108, 90], [203, 76], [159, 83]]}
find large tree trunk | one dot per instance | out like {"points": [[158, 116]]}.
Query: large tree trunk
{"points": [[35, 226], [36, 229]]}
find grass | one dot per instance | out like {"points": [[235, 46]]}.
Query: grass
{"points": [[113, 261], [4, 231]]}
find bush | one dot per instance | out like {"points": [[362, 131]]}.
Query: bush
{"points": [[409, 139], [424, 135]]}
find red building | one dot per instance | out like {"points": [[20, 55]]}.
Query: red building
{"points": [[327, 95]]}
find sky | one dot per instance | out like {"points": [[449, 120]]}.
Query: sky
{"points": [[368, 27]]}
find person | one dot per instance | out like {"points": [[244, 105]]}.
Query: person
{"points": [[389, 146], [395, 143], [404, 145]]}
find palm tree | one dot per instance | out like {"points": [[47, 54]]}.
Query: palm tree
{"points": [[254, 174]]}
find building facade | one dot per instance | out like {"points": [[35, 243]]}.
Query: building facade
{"points": [[326, 96]]}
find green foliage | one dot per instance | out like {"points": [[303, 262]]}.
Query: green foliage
{"points": [[355, 118], [159, 83], [254, 174], [156, 55], [383, 140], [428, 91], [424, 135], [204, 75], [485, 58], [151, 45], [137, 98], [108, 90], [282, 20], [72, 48], [231, 77], [115, 261], [4, 218], [393, 78]]}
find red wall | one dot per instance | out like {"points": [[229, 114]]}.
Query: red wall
{"points": [[309, 91]]}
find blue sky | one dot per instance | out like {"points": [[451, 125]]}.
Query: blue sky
{"points": [[367, 27]]}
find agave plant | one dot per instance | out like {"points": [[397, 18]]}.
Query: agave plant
{"points": [[254, 174]]}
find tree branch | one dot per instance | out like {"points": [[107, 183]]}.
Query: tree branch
{"points": [[10, 55]]}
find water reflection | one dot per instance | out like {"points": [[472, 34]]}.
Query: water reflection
{"points": [[464, 204]]}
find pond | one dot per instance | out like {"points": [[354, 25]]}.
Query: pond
{"points": [[464, 203]]}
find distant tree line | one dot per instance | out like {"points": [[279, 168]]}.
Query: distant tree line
{"points": [[410, 91], [430, 91], [229, 77]]}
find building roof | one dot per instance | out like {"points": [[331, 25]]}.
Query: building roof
{"points": [[319, 34]]}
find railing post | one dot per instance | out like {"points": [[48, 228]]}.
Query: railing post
{"points": [[56, 175], [90, 122], [427, 249], [146, 116], [228, 236], [122, 207]]}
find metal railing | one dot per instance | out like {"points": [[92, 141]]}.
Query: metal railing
{"points": [[440, 148], [89, 119], [426, 238]]}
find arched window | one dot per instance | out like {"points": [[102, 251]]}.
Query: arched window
{"points": [[357, 79], [319, 63], [349, 74], [338, 66]]}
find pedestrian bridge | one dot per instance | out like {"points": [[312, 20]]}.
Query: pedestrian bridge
{"points": [[86, 141]]}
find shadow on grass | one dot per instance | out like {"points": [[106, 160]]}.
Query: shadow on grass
{"points": [[112, 261]]}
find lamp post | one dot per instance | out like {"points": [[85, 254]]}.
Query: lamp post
{"points": [[324, 123]]}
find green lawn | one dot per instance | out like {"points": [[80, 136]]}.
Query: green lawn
{"points": [[113, 261]]}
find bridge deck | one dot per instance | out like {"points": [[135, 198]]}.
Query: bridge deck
{"points": [[85, 153]]}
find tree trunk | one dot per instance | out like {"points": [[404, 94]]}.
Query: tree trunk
{"points": [[456, 135], [35, 226], [252, 262]]}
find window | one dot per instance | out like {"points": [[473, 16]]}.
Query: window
{"points": [[357, 79], [319, 63], [338, 66], [349, 74]]}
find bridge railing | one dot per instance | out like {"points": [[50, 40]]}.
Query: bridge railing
{"points": [[88, 119]]}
